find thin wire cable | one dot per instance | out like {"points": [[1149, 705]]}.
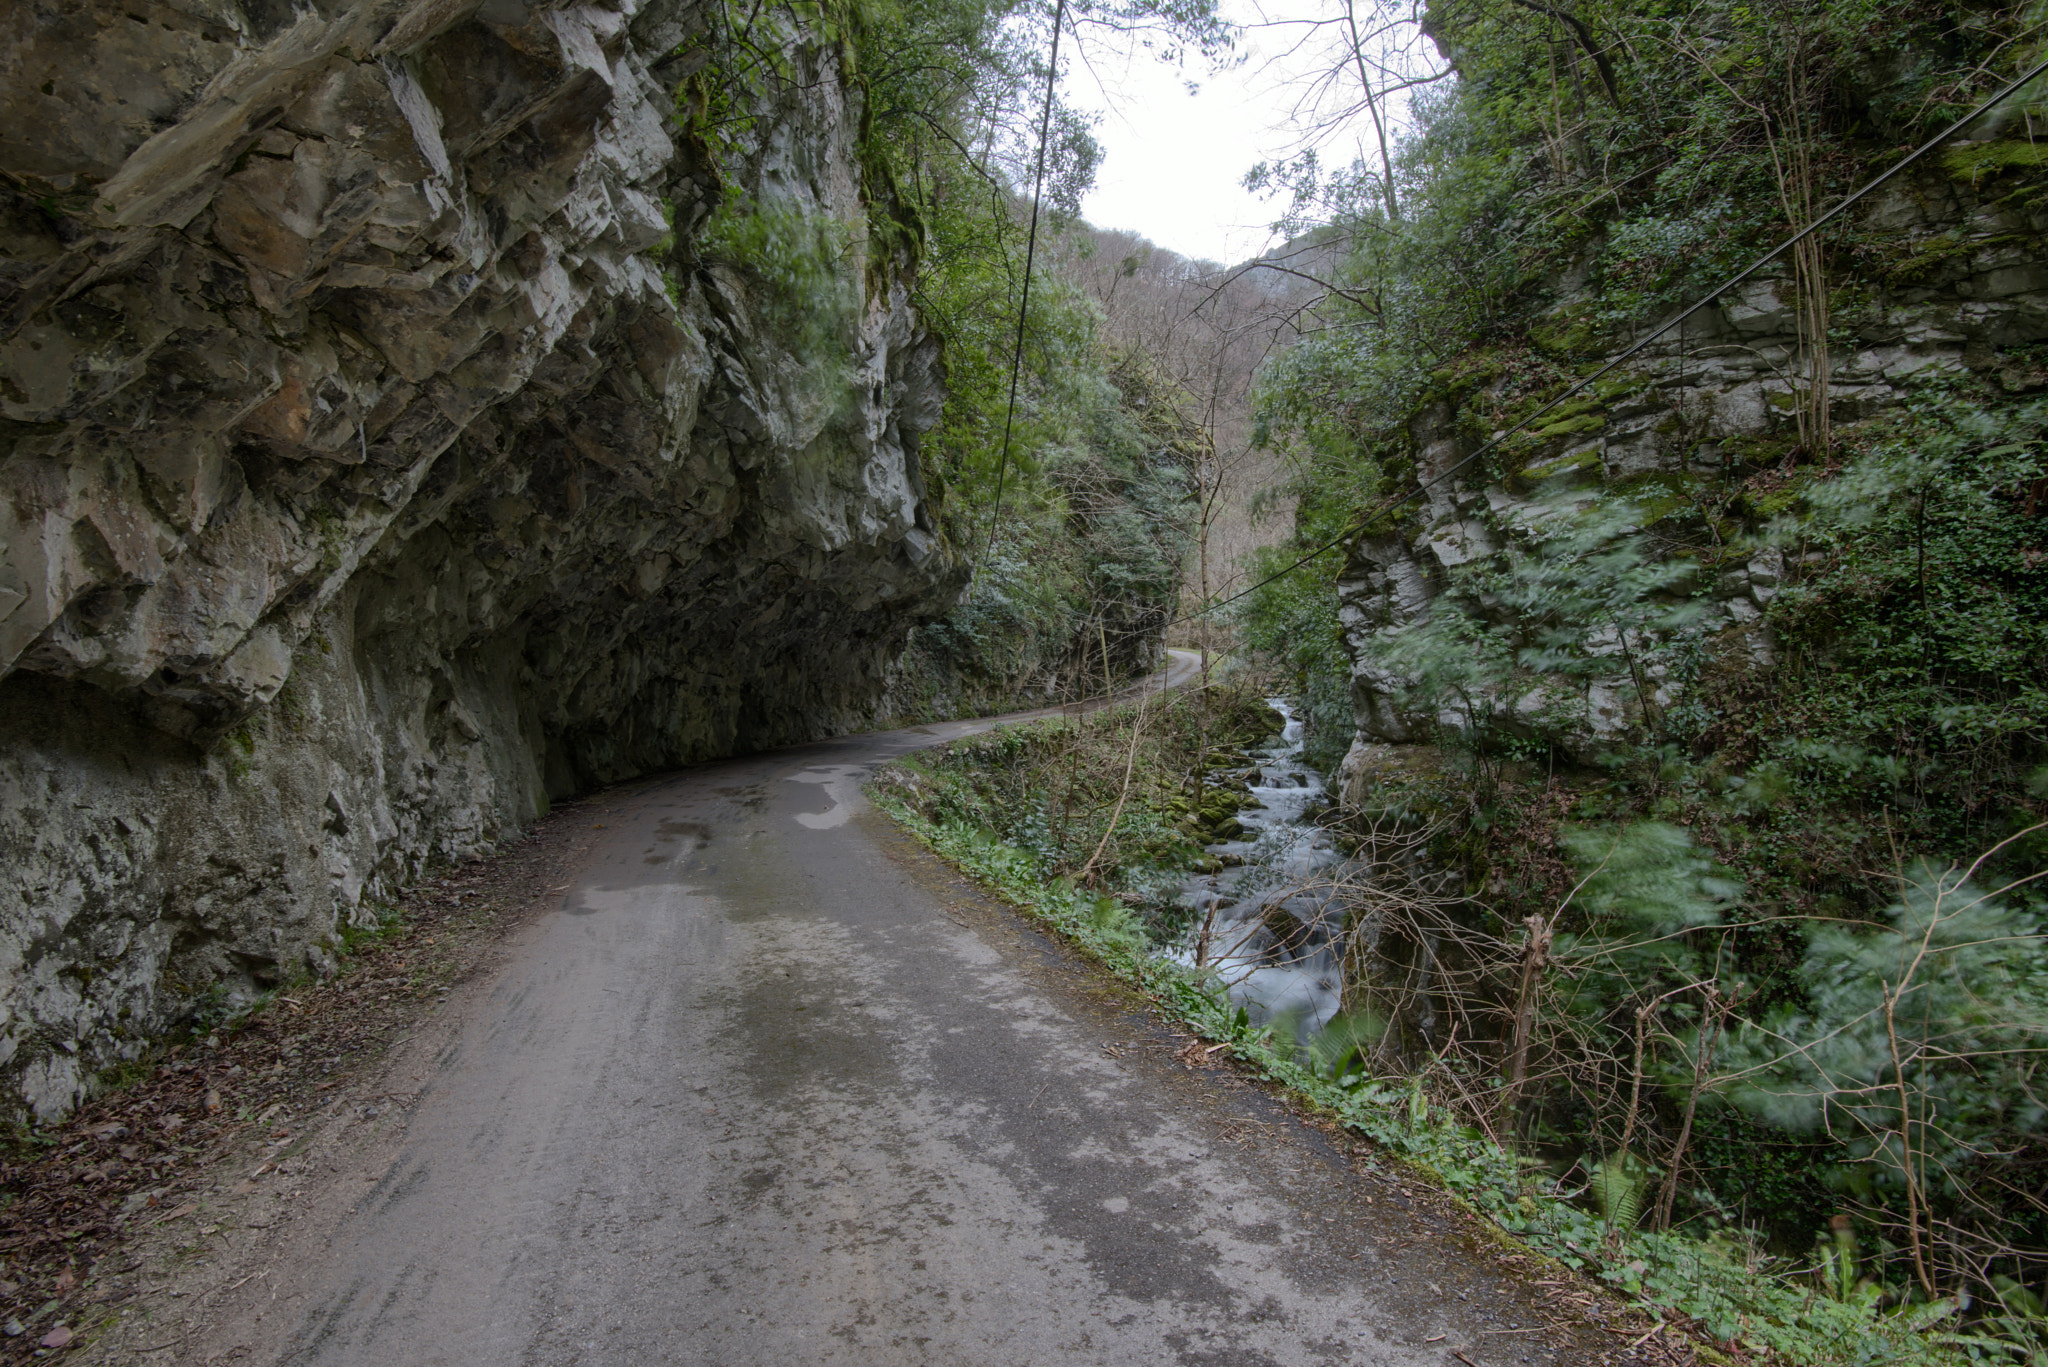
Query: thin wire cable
{"points": [[1052, 75], [1365, 519]]}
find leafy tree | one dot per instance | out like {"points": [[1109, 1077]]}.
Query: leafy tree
{"points": [[1920, 1046], [1647, 891], [1093, 523]]}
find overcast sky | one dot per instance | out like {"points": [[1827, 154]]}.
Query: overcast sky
{"points": [[1174, 163]]}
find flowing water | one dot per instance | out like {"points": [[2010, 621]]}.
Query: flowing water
{"points": [[1270, 922]]}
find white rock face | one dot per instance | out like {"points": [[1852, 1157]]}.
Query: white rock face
{"points": [[381, 457]]}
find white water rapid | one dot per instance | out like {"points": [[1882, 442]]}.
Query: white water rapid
{"points": [[1270, 924]]}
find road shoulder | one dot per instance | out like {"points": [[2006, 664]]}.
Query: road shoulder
{"points": [[181, 1201]]}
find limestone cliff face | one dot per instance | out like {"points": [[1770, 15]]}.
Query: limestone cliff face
{"points": [[1966, 283], [379, 456]]}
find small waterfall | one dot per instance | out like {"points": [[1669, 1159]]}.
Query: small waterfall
{"points": [[1271, 923]]}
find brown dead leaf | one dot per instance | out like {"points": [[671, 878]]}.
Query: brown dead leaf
{"points": [[66, 1280], [55, 1220]]}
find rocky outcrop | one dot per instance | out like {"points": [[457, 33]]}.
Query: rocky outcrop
{"points": [[1953, 282], [382, 456]]}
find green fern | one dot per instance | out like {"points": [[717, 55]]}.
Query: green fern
{"points": [[1839, 1269], [1618, 1185]]}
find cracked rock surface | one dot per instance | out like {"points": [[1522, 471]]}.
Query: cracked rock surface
{"points": [[1951, 283], [379, 458]]}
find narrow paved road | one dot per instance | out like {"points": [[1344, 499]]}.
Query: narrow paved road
{"points": [[773, 1087]]}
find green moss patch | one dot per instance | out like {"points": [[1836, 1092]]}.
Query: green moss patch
{"points": [[1977, 161], [1580, 467]]}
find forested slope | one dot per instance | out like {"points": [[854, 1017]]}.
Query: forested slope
{"points": [[1065, 463], [1697, 730]]}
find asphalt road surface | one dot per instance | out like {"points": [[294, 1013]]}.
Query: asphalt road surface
{"points": [[772, 1086]]}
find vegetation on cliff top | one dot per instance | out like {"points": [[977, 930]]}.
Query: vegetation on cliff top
{"points": [[1074, 510]]}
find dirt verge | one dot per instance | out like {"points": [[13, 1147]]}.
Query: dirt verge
{"points": [[111, 1217]]}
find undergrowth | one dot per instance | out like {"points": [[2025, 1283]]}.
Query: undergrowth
{"points": [[973, 803]]}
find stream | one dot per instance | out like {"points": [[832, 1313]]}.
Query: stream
{"points": [[1270, 922]]}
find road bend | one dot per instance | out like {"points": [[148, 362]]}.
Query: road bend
{"points": [[773, 1086]]}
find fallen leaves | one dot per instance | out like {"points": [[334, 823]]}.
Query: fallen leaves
{"points": [[132, 1158], [1196, 1054]]}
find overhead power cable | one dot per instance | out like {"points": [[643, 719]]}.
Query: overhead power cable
{"points": [[1052, 75], [1365, 519]]}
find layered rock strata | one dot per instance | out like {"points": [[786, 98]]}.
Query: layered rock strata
{"points": [[1962, 284], [382, 457]]}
